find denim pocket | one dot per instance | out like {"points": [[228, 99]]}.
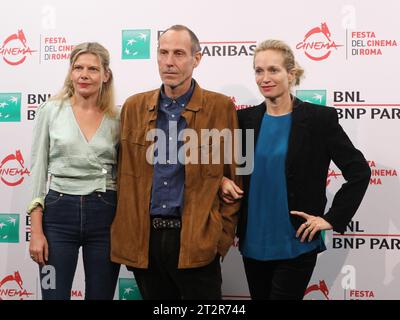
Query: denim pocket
{"points": [[52, 197], [109, 198]]}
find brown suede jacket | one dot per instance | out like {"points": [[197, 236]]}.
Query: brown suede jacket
{"points": [[208, 224]]}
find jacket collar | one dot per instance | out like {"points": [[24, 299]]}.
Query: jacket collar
{"points": [[255, 119], [195, 102], [298, 129]]}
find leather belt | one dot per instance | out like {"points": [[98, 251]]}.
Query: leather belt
{"points": [[166, 223]]}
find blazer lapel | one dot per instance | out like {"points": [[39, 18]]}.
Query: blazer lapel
{"points": [[255, 119], [298, 131]]}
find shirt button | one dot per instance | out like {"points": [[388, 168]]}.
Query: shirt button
{"points": [[174, 101], [164, 206], [104, 171], [173, 116], [182, 105], [165, 183]]}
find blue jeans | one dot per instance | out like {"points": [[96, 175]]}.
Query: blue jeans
{"points": [[71, 222]]}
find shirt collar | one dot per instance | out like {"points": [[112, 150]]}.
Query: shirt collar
{"points": [[182, 101]]}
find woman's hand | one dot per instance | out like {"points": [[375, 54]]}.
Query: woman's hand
{"points": [[229, 191], [311, 226], [38, 246]]}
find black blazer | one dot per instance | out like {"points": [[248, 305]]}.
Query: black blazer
{"points": [[315, 139]]}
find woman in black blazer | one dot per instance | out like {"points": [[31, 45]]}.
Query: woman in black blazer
{"points": [[283, 205]]}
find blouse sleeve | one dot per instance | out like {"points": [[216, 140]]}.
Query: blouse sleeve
{"points": [[40, 157]]}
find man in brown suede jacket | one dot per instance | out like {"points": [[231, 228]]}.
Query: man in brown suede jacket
{"points": [[171, 228]]}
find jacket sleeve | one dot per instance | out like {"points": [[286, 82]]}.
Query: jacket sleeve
{"points": [[355, 170], [230, 212]]}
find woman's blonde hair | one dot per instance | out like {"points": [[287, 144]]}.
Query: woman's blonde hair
{"points": [[105, 99], [288, 57]]}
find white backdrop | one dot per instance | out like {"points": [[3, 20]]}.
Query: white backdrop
{"points": [[349, 50]]}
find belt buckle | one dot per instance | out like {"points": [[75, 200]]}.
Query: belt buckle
{"points": [[156, 222]]}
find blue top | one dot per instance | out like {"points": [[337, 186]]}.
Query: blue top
{"points": [[169, 175], [270, 234]]}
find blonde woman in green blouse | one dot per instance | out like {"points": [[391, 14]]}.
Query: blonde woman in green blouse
{"points": [[74, 154]]}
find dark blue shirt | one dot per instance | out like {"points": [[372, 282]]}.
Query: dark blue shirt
{"points": [[169, 174]]}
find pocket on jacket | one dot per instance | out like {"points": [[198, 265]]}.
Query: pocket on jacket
{"points": [[211, 159], [206, 238], [133, 148]]}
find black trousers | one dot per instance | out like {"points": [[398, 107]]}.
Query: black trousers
{"points": [[280, 279], [164, 281]]}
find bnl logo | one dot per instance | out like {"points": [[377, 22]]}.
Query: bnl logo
{"points": [[128, 289], [10, 107], [312, 96], [9, 228], [136, 44]]}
